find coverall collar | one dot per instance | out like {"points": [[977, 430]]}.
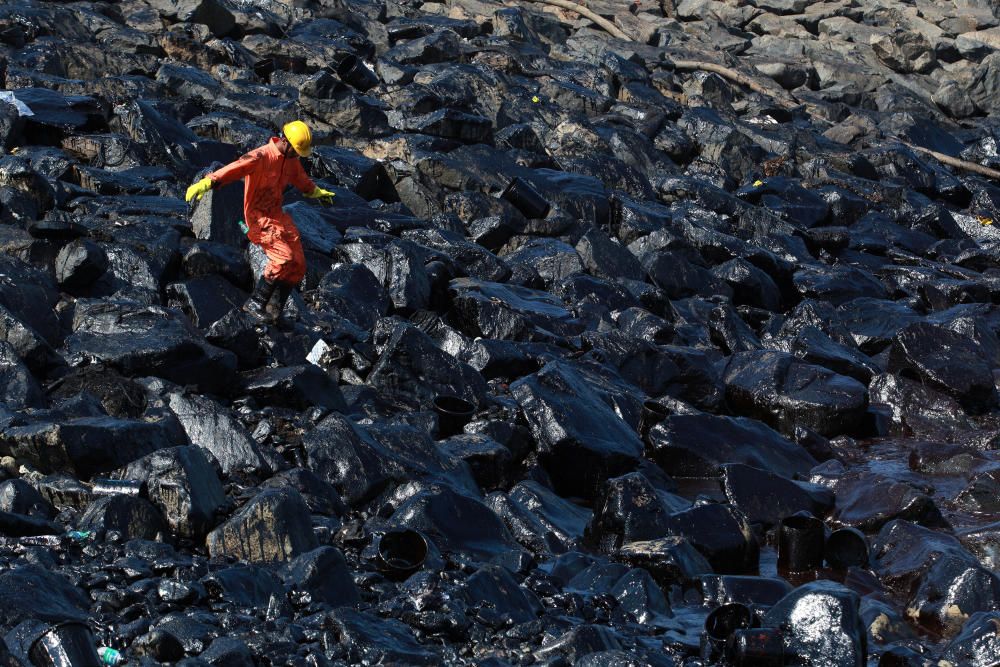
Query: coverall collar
{"points": [[272, 146]]}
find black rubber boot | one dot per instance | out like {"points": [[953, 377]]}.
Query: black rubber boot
{"points": [[277, 304], [257, 303]]}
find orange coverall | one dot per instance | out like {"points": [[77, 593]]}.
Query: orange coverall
{"points": [[267, 173]]}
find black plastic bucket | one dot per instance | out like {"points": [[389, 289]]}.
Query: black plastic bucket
{"points": [[846, 547], [453, 414], [439, 276], [759, 647], [69, 644], [800, 543], [526, 199], [720, 624], [353, 71], [727, 619], [401, 553], [652, 414]]}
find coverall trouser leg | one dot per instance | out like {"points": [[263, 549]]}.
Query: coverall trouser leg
{"points": [[280, 240]]}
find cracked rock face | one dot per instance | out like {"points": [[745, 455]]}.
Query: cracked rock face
{"points": [[589, 319]]}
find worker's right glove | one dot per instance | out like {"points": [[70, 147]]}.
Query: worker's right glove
{"points": [[325, 197], [198, 190]]}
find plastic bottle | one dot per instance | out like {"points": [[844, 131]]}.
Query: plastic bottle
{"points": [[110, 656]]}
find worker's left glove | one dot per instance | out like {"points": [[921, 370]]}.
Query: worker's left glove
{"points": [[325, 197]]}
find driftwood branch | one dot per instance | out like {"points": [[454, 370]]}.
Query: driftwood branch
{"points": [[583, 11], [737, 77], [957, 163]]}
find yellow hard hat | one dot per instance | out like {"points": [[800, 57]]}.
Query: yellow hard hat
{"points": [[299, 137]]}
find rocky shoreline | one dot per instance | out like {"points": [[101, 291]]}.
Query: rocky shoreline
{"points": [[624, 335]]}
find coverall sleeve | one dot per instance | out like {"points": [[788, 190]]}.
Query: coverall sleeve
{"points": [[235, 170], [300, 179]]}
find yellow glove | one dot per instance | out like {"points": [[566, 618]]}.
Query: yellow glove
{"points": [[325, 197], [198, 190]]}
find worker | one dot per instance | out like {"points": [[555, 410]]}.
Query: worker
{"points": [[267, 171]]}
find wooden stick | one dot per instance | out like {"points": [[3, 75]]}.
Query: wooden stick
{"points": [[582, 10], [738, 77], [955, 162]]}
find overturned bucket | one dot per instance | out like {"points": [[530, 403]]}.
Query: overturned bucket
{"points": [[353, 71], [526, 199], [800, 543], [453, 414], [846, 547], [401, 553], [69, 644]]}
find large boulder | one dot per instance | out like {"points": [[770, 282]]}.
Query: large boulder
{"points": [[942, 582], [183, 484], [273, 526], [695, 445], [508, 312], [142, 340], [131, 516], [581, 440], [631, 509], [869, 500], [214, 428], [371, 639], [361, 462], [457, 523], [977, 644], [766, 498], [785, 392], [88, 445], [947, 361], [822, 625], [411, 369]]}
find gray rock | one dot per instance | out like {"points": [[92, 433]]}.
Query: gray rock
{"points": [[79, 264], [953, 98], [182, 483], [905, 52], [273, 526], [213, 428]]}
